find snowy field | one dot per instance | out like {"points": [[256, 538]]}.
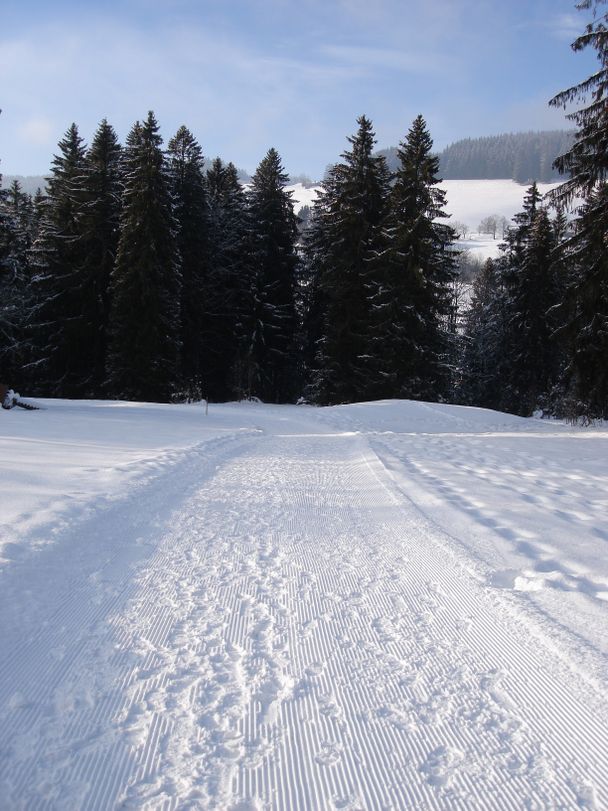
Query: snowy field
{"points": [[468, 202], [390, 605]]}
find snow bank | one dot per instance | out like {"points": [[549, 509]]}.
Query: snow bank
{"points": [[407, 416], [77, 455]]}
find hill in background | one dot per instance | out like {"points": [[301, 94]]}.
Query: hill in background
{"points": [[29, 183], [521, 156]]}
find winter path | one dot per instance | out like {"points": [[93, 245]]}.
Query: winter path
{"points": [[304, 613]]}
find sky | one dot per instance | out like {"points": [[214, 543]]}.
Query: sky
{"points": [[247, 75]]}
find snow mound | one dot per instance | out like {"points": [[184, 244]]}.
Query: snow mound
{"points": [[412, 417]]}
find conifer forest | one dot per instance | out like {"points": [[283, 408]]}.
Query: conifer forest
{"points": [[144, 273]]}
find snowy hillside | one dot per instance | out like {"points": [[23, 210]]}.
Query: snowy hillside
{"points": [[468, 202], [384, 605]]}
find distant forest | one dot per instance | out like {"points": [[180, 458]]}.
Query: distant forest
{"points": [[522, 156]]}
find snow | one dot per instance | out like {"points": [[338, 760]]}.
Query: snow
{"points": [[302, 195], [468, 202], [483, 246], [381, 605]]}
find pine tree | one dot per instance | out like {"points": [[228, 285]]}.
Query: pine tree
{"points": [[99, 237], [190, 210], [272, 322], [16, 230], [8, 283], [532, 293], [146, 282], [229, 298], [585, 327], [56, 257], [313, 301], [483, 356], [346, 238], [516, 237], [412, 289]]}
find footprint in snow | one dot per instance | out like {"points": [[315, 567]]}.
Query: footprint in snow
{"points": [[330, 754], [441, 764]]}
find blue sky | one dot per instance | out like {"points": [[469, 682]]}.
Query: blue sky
{"points": [[245, 75]]}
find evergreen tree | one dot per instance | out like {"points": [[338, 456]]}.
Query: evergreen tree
{"points": [[481, 374], [532, 292], [313, 302], [20, 209], [229, 298], [8, 283], [516, 238], [190, 201], [346, 238], [271, 324], [99, 237], [146, 281], [412, 288], [585, 327], [16, 229], [56, 319]]}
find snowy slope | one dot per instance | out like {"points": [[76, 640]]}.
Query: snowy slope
{"points": [[468, 202], [302, 195], [387, 605]]}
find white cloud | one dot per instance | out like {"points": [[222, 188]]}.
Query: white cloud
{"points": [[566, 26], [38, 131], [407, 59]]}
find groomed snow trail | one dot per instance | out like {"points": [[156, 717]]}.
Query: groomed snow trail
{"points": [[295, 638]]}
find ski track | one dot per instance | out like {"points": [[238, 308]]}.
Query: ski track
{"points": [[290, 636]]}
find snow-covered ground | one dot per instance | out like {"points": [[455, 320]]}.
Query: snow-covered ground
{"points": [[302, 195], [468, 202], [384, 605]]}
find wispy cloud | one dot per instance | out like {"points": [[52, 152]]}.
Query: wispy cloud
{"points": [[563, 27], [566, 26], [405, 60], [37, 131]]}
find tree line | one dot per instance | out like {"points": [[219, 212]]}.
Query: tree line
{"points": [[521, 156], [142, 275]]}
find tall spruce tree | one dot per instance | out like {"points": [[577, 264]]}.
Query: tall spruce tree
{"points": [[58, 355], [585, 324], [229, 299], [99, 228], [516, 237], [412, 286], [272, 322], [145, 328], [313, 301], [16, 234], [190, 209], [8, 286], [481, 374], [346, 239], [530, 279]]}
